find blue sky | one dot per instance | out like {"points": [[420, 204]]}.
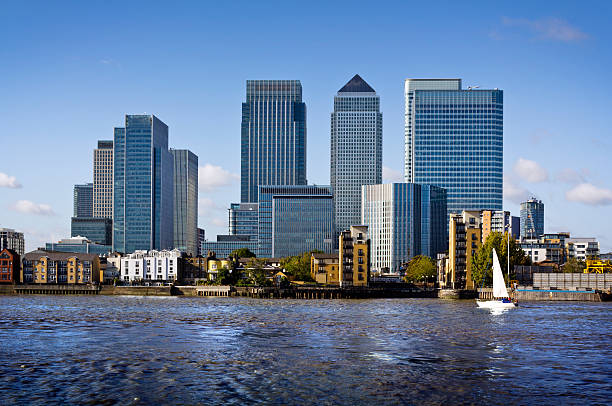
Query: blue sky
{"points": [[69, 71]]}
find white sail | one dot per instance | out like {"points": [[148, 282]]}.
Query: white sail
{"points": [[499, 286]]}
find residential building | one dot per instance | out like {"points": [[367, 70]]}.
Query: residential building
{"points": [[226, 244], [606, 257], [465, 236], [10, 266], [356, 148], [47, 267], [294, 220], [273, 136], [532, 218], [404, 220], [78, 244], [499, 221], [201, 239], [243, 219], [12, 240], [83, 200], [454, 140], [143, 193], [151, 266], [185, 200], [97, 230], [110, 268], [582, 248], [324, 268], [354, 257], [544, 249], [103, 180]]}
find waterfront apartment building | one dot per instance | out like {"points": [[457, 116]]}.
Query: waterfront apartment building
{"points": [[103, 180], [324, 268], [294, 220], [83, 200], [12, 240], [47, 267], [532, 218], [582, 248], [404, 220], [151, 266], [465, 237], [243, 219], [499, 221], [273, 136], [78, 244], [143, 193], [356, 148], [185, 200], [354, 257], [10, 266], [454, 140], [96, 229]]}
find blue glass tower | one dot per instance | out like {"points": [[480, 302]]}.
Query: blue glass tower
{"points": [[185, 200], [143, 207], [273, 136], [532, 218]]}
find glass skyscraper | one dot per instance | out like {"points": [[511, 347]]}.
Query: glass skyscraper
{"points": [[185, 201], [83, 200], [295, 219], [244, 219], [143, 193], [356, 148], [532, 218], [273, 136], [454, 139], [103, 180]]}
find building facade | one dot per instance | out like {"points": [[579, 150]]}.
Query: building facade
{"points": [[582, 248], [454, 140], [243, 219], [226, 244], [532, 218], [273, 136], [97, 230], [143, 192], [47, 267], [354, 257], [185, 200], [465, 237], [10, 266], [201, 239], [356, 148], [294, 220], [78, 244], [83, 200], [12, 240], [498, 221], [151, 266], [324, 268], [103, 180]]}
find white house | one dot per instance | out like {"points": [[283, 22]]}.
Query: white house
{"points": [[158, 266]]}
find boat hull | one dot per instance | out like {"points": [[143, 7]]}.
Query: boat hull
{"points": [[495, 304]]}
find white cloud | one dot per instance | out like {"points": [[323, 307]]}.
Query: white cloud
{"points": [[589, 194], [571, 176], [549, 28], [212, 177], [9, 181], [390, 175], [514, 192], [530, 171], [28, 207]]}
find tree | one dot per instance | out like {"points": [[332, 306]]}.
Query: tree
{"points": [[482, 261], [242, 253], [299, 266], [226, 277], [573, 265], [420, 268]]}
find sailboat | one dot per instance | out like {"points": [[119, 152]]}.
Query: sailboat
{"points": [[501, 299]]}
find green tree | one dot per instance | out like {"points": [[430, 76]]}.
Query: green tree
{"points": [[299, 266], [482, 261], [419, 269], [573, 265], [242, 253], [226, 277]]}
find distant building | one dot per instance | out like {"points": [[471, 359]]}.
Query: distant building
{"points": [[60, 267], [243, 219], [201, 239], [103, 180], [185, 200], [97, 230], [10, 266], [532, 218], [324, 268], [83, 200], [549, 248], [12, 240], [294, 220], [465, 236], [498, 221], [226, 244], [582, 248], [354, 257], [273, 136], [606, 257], [151, 266], [78, 244]]}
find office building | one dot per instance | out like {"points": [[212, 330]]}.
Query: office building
{"points": [[201, 239], [185, 201], [454, 140], [582, 248], [354, 257], [499, 221], [103, 180], [83, 200], [46, 267], [97, 230], [151, 266], [532, 218], [143, 193], [78, 244], [13, 240], [356, 148], [294, 220], [465, 237], [404, 220], [244, 219], [226, 244], [273, 136], [10, 266]]}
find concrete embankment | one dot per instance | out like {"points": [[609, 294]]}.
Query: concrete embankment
{"points": [[528, 294], [136, 290]]}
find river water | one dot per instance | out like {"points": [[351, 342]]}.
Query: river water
{"points": [[150, 350]]}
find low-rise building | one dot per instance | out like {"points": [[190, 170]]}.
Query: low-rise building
{"points": [[47, 267], [582, 248], [324, 268], [10, 266], [78, 244], [354, 257], [544, 249], [151, 266]]}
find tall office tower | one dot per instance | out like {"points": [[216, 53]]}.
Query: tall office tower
{"points": [[295, 219], [12, 240], [356, 148], [103, 180], [83, 200], [143, 192], [404, 220], [243, 219], [185, 201], [273, 136], [454, 139], [532, 218]]}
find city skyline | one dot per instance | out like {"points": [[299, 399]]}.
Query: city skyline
{"points": [[555, 146]]}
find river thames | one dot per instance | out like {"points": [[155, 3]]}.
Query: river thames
{"points": [[150, 350]]}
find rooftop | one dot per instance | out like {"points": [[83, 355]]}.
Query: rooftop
{"points": [[356, 85]]}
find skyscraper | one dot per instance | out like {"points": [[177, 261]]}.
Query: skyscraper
{"points": [[103, 180], [83, 200], [273, 136], [185, 201], [532, 218], [356, 148], [243, 219], [454, 139], [143, 192]]}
